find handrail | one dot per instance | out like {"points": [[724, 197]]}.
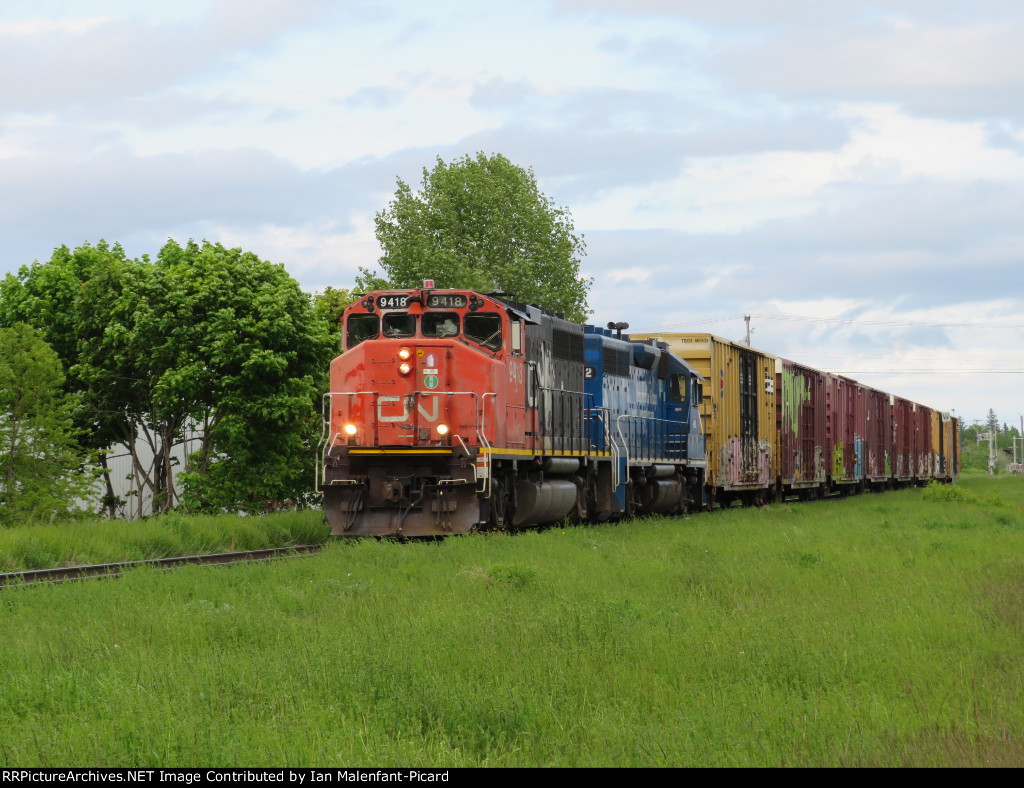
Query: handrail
{"points": [[625, 443], [651, 439], [325, 442], [484, 443], [602, 416]]}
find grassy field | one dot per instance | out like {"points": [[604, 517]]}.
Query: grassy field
{"points": [[106, 541], [885, 630]]}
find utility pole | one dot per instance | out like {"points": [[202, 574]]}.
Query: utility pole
{"points": [[747, 319], [990, 436], [1018, 454]]}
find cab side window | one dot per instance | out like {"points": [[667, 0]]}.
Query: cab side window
{"points": [[679, 386], [484, 328]]}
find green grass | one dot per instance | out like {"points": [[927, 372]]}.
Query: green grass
{"points": [[876, 631], [108, 541]]}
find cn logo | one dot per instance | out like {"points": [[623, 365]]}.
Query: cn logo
{"points": [[430, 415]]}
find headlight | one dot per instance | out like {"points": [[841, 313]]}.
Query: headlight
{"points": [[405, 368], [442, 429], [405, 354], [351, 429]]}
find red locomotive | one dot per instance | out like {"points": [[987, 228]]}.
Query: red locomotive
{"points": [[439, 396]]}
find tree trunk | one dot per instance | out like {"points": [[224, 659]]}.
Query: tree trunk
{"points": [[110, 499]]}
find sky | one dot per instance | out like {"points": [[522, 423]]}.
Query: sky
{"points": [[849, 174]]}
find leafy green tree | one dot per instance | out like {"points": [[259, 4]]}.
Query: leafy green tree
{"points": [[329, 306], [203, 342], [40, 464], [259, 366], [46, 295], [482, 223]]}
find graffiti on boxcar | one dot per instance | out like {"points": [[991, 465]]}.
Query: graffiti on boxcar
{"points": [[796, 392], [745, 462]]}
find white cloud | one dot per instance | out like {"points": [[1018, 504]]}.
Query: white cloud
{"points": [[37, 27], [804, 156], [316, 254]]}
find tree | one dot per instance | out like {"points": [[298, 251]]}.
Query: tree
{"points": [[329, 305], [46, 296], [40, 473], [482, 223], [259, 367], [203, 338]]}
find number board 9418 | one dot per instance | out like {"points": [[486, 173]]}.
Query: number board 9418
{"points": [[393, 302], [446, 301]]}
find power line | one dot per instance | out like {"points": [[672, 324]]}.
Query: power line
{"points": [[953, 371], [838, 321], [906, 323]]}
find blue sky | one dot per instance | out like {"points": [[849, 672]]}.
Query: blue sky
{"points": [[849, 173]]}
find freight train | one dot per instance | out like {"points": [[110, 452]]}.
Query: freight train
{"points": [[451, 411]]}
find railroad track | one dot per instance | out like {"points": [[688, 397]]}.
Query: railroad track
{"points": [[66, 573]]}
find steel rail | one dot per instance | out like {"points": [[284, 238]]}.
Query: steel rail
{"points": [[66, 573]]}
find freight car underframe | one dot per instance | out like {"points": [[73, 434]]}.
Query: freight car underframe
{"points": [[758, 495]]}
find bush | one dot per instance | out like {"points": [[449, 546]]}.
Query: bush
{"points": [[936, 491]]}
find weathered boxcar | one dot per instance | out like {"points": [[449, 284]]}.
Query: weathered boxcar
{"points": [[954, 454], [878, 437], [739, 414], [903, 422], [945, 446], [923, 452], [801, 422], [846, 425]]}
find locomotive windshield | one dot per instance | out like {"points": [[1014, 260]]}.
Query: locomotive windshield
{"points": [[399, 324], [361, 328], [483, 328], [440, 324]]}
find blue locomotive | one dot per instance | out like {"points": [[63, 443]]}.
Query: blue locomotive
{"points": [[645, 411]]}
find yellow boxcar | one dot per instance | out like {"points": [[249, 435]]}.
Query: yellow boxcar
{"points": [[936, 447], [738, 413], [945, 446], [954, 428]]}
